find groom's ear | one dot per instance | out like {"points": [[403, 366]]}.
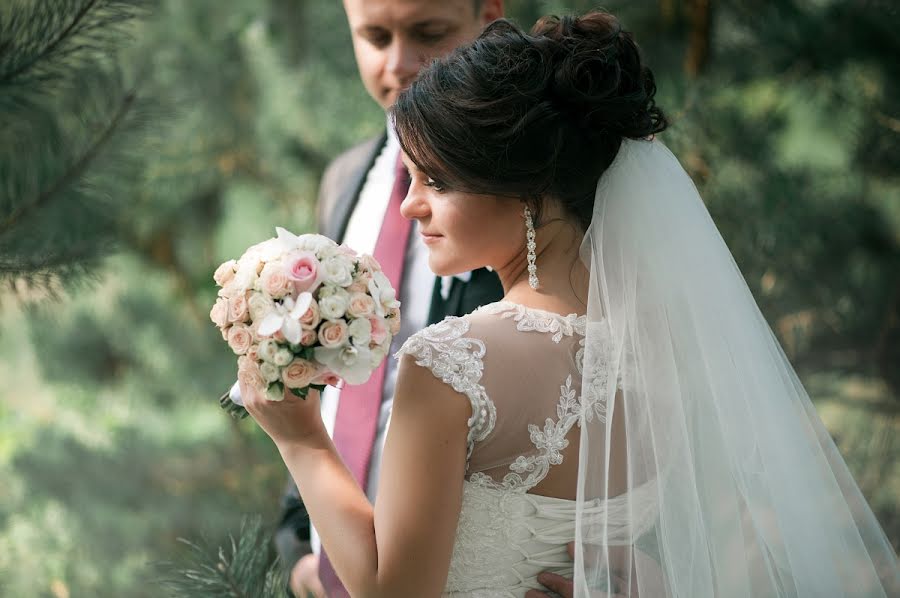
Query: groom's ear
{"points": [[490, 10]]}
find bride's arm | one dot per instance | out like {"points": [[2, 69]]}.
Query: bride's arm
{"points": [[402, 546]]}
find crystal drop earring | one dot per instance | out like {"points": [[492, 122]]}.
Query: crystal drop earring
{"points": [[531, 245]]}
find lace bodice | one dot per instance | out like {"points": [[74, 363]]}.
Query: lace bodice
{"points": [[521, 370]]}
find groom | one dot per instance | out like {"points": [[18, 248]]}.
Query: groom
{"points": [[359, 201]]}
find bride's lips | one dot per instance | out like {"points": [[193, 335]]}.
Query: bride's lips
{"points": [[430, 237]]}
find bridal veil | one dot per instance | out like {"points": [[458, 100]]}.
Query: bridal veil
{"points": [[707, 444]]}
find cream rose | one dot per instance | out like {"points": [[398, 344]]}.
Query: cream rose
{"points": [[219, 312], [311, 317], [240, 338], [361, 305], [333, 334], [308, 338], [299, 373], [250, 376], [238, 310], [274, 280], [224, 273]]}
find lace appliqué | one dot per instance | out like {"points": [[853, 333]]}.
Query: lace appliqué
{"points": [[457, 361], [528, 319], [551, 439]]}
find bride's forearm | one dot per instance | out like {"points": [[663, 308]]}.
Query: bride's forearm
{"points": [[343, 516]]}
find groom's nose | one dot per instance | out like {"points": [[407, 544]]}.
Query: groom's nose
{"points": [[403, 60]]}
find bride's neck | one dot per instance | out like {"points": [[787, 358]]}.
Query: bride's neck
{"points": [[563, 279]]}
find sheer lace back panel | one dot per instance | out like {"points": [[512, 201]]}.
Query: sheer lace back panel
{"points": [[521, 370]]}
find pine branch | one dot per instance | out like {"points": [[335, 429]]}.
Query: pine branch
{"points": [[244, 571], [42, 40], [76, 170]]}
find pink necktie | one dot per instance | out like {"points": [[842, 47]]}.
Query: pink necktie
{"points": [[358, 407]]}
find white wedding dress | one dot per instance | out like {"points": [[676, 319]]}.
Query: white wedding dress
{"points": [[521, 369]]}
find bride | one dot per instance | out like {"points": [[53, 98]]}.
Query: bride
{"points": [[626, 394]]}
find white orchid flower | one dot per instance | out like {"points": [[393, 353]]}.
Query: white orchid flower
{"points": [[383, 293], [286, 318]]}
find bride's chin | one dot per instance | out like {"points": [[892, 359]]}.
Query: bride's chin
{"points": [[444, 268]]}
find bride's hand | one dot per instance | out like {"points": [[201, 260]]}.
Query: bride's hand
{"points": [[293, 421]]}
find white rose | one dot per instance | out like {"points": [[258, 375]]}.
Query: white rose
{"points": [[270, 371], [260, 306], [333, 307], [360, 331], [314, 243], [338, 270], [275, 392], [282, 357], [267, 350], [378, 355]]}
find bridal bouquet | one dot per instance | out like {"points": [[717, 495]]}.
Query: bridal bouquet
{"points": [[303, 312]]}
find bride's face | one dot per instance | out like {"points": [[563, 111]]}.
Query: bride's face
{"points": [[463, 231]]}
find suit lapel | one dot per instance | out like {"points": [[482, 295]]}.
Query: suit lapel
{"points": [[348, 194]]}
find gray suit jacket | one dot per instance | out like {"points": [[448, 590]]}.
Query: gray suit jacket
{"points": [[338, 192]]}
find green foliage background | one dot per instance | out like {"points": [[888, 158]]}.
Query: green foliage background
{"points": [[111, 442]]}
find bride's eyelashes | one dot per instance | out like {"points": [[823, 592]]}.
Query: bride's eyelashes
{"points": [[436, 185]]}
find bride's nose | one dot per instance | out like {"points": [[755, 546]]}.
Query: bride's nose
{"points": [[415, 205]]}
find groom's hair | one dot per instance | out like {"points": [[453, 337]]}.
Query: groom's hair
{"points": [[531, 115]]}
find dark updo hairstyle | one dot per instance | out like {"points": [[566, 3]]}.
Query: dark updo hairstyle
{"points": [[531, 115]]}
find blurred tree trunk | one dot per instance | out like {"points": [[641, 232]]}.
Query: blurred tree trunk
{"points": [[699, 36]]}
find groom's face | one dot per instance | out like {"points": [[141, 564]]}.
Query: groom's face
{"points": [[393, 39]]}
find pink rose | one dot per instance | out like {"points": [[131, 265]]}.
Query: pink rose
{"points": [[275, 281], [333, 334], [303, 269], [239, 339], [361, 305], [298, 373], [327, 377], [379, 330], [394, 320], [238, 310], [308, 338], [224, 273], [311, 318], [219, 312]]}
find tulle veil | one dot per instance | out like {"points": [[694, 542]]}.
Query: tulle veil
{"points": [[708, 444]]}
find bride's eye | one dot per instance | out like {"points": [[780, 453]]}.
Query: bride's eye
{"points": [[439, 187]]}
